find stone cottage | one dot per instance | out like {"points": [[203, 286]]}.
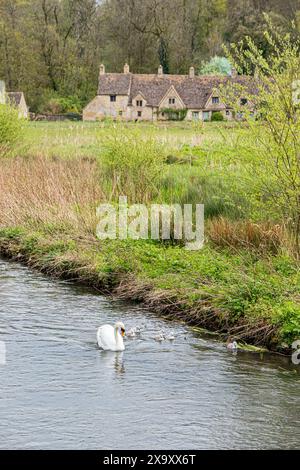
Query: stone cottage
{"points": [[151, 97], [15, 99]]}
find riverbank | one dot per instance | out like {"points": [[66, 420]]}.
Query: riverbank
{"points": [[245, 282], [240, 295], [61, 384]]}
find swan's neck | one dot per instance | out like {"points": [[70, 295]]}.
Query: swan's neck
{"points": [[118, 336]]}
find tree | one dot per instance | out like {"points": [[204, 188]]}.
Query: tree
{"points": [[52, 48], [274, 144], [216, 66]]}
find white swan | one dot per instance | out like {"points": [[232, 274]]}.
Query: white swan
{"points": [[232, 345], [159, 337], [170, 336], [110, 338], [131, 333]]}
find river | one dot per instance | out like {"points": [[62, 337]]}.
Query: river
{"points": [[59, 391]]}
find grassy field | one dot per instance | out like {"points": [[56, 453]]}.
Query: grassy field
{"points": [[245, 282], [81, 139]]}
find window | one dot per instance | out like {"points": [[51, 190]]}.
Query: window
{"points": [[227, 112], [171, 100], [244, 101], [120, 113], [205, 115], [113, 98], [195, 115], [215, 100], [139, 103], [139, 113]]}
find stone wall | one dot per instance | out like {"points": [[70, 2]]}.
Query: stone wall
{"points": [[101, 107], [147, 113]]}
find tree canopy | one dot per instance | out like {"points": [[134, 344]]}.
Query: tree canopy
{"points": [[51, 49]]}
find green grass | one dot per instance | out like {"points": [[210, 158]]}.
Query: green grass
{"points": [[255, 298], [204, 166], [73, 139], [241, 287]]}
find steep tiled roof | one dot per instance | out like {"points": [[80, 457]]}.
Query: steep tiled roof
{"points": [[194, 92], [114, 84], [14, 97]]}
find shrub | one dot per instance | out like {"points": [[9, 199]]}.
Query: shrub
{"points": [[174, 114], [52, 102], [133, 163], [273, 148], [11, 128], [217, 116]]}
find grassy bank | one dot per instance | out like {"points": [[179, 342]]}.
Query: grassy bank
{"points": [[245, 282], [242, 294]]}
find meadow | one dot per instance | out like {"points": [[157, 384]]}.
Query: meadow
{"points": [[244, 283]]}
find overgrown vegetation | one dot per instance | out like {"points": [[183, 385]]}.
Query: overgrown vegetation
{"points": [[11, 128], [272, 148], [173, 114], [217, 116], [244, 282], [132, 164]]}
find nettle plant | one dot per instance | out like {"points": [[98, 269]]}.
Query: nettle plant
{"points": [[271, 109]]}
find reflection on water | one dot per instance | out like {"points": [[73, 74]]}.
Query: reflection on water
{"points": [[58, 390], [113, 362]]}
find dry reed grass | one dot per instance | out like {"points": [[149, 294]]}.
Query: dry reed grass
{"points": [[263, 237], [64, 194], [49, 192]]}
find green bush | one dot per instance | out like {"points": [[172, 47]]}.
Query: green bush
{"points": [[133, 163], [11, 128], [217, 116], [51, 102], [174, 114]]}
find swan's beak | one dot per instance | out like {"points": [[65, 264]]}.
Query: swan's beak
{"points": [[122, 332]]}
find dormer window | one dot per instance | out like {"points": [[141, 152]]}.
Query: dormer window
{"points": [[139, 103], [244, 101], [215, 100], [113, 98], [171, 100]]}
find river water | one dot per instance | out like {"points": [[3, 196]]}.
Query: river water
{"points": [[58, 390]]}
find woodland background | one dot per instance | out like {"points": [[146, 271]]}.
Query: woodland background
{"points": [[51, 49]]}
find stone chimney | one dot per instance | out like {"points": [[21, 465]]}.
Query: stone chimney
{"points": [[192, 72], [160, 70], [102, 69], [126, 68], [2, 92]]}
